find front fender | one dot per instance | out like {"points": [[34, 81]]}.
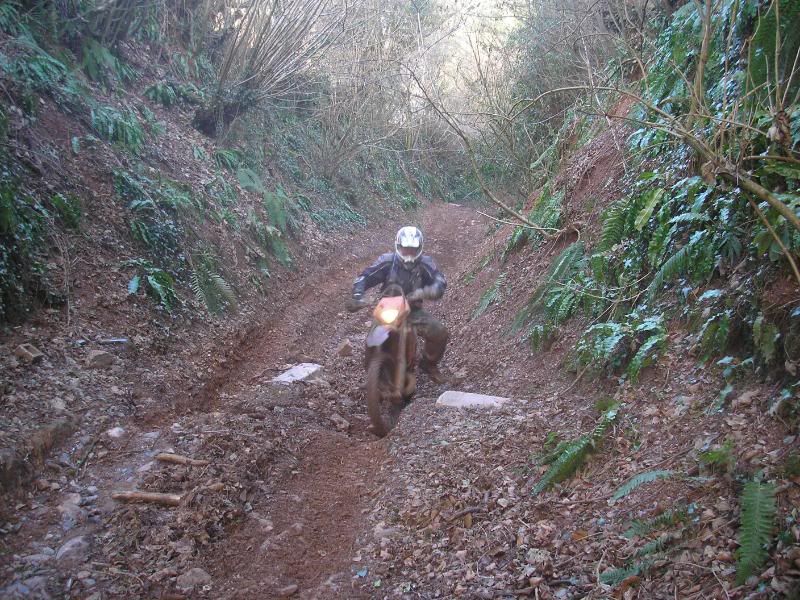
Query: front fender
{"points": [[378, 335]]}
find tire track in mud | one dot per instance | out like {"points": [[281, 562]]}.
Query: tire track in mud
{"points": [[312, 524]]}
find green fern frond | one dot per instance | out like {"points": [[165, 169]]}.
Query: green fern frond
{"points": [[228, 159], [639, 528], [561, 271], [276, 205], [675, 265], [569, 456], [765, 338], [690, 218], [658, 545], [517, 239], [491, 296], [210, 288], [756, 524], [614, 221], [638, 480], [646, 354], [163, 93], [617, 576], [250, 180]]}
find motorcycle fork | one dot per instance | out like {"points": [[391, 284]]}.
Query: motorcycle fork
{"points": [[401, 363]]}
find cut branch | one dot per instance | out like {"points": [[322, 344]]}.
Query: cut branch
{"points": [[148, 497], [180, 460]]}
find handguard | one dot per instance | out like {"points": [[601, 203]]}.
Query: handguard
{"points": [[378, 335]]}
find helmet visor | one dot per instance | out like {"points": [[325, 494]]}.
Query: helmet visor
{"points": [[408, 252]]}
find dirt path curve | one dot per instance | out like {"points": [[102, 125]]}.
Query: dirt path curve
{"points": [[310, 526]]}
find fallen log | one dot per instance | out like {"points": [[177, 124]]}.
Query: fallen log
{"points": [[177, 459], [153, 497]]}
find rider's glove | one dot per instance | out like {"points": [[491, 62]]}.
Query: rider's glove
{"points": [[426, 293], [354, 304]]}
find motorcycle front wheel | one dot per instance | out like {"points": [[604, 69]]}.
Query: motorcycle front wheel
{"points": [[383, 411]]}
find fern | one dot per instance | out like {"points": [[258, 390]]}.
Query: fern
{"points": [[569, 456], [277, 206], [492, 296], [10, 21], [160, 284], [675, 265], [646, 354], [602, 345], [163, 93], [250, 180], [615, 577], [123, 128], [765, 338], [546, 213], [690, 218], [638, 480], [639, 528], [719, 458], [755, 532], [658, 545], [713, 334], [517, 239], [209, 287], [228, 159], [561, 271], [101, 65], [650, 200], [614, 223]]}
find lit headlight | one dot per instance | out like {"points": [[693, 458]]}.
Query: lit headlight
{"points": [[389, 315]]}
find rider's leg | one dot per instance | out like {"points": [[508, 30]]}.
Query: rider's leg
{"points": [[436, 336]]}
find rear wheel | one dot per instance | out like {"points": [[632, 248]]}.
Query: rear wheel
{"points": [[382, 410]]}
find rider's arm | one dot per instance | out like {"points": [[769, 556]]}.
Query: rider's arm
{"points": [[373, 275], [433, 279]]}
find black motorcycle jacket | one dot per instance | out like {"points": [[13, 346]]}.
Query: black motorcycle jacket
{"points": [[389, 269]]}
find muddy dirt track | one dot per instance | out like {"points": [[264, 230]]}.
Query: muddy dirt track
{"points": [[294, 497], [297, 467]]}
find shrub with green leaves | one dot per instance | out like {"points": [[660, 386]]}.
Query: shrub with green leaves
{"points": [[631, 344], [22, 251], [158, 283]]}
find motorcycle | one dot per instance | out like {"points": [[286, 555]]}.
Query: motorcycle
{"points": [[390, 360]]}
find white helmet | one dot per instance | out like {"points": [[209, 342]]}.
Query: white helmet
{"points": [[408, 244]]}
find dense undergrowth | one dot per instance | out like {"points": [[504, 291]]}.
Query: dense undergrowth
{"points": [[703, 240], [265, 188]]}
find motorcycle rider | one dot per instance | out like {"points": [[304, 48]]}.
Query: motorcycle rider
{"points": [[421, 280]]}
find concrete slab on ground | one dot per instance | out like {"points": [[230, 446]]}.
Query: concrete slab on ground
{"points": [[298, 373], [453, 399]]}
